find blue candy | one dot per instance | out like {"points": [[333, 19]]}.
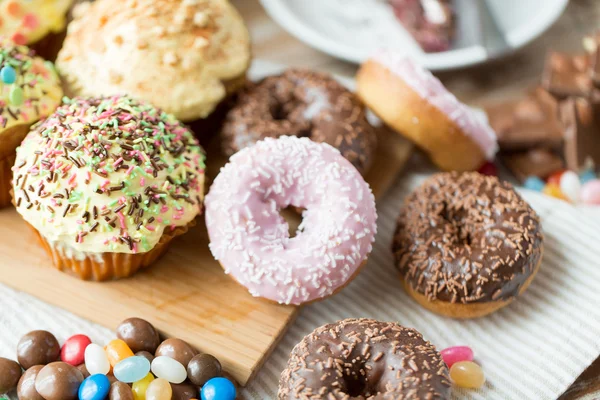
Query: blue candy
{"points": [[218, 389], [132, 369], [534, 183], [95, 387], [8, 74], [587, 176]]}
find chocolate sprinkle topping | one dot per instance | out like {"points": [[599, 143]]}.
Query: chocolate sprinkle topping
{"points": [[364, 359], [467, 238]]}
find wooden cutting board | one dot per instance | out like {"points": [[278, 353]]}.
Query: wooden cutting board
{"points": [[185, 294]]}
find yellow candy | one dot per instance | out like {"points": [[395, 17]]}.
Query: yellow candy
{"points": [[140, 387], [467, 374], [553, 190], [159, 389], [117, 350]]}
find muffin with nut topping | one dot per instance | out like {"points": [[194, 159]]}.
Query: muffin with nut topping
{"points": [[107, 183]]}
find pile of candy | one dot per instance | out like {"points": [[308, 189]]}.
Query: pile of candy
{"points": [[463, 371], [136, 366], [583, 188]]}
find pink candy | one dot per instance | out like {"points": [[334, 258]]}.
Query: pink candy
{"points": [[456, 354], [590, 192]]}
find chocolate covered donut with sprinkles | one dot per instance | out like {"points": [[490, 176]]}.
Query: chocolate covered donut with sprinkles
{"points": [[466, 244], [107, 176], [364, 359]]}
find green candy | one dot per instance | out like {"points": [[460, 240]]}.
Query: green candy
{"points": [[16, 96]]}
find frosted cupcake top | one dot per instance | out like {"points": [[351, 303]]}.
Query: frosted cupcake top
{"points": [[108, 175], [27, 21], [29, 86]]}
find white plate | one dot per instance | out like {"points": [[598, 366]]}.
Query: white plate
{"points": [[353, 29]]}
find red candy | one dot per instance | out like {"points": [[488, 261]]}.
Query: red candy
{"points": [[456, 354], [73, 351], [489, 169], [555, 177]]}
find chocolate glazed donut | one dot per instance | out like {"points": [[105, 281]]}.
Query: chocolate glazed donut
{"points": [[364, 359], [301, 103], [466, 244]]}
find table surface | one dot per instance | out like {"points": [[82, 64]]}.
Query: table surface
{"points": [[499, 80]]}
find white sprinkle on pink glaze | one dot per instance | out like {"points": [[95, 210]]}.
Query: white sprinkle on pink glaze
{"points": [[250, 238], [433, 91]]}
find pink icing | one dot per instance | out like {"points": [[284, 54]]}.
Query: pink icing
{"points": [[433, 91], [250, 239]]}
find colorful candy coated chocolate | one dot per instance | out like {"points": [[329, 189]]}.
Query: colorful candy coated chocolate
{"points": [[570, 186], [586, 176], [140, 387], [96, 361], [94, 387], [554, 178], [455, 354], [8, 74], [590, 192], [169, 369], [117, 350], [553, 190], [159, 389], [489, 169], [131, 369], [73, 350], [534, 183], [218, 389], [467, 374]]}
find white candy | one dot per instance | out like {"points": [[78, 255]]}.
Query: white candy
{"points": [[168, 369], [96, 361], [570, 186]]}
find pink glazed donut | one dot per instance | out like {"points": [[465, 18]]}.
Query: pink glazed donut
{"points": [[250, 238]]}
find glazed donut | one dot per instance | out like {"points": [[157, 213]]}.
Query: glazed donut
{"points": [[251, 240], [415, 103], [301, 103], [364, 359], [466, 244]]}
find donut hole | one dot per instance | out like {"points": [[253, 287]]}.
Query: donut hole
{"points": [[278, 111], [456, 219], [356, 385], [293, 217]]}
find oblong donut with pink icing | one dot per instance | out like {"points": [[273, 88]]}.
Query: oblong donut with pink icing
{"points": [[250, 238]]}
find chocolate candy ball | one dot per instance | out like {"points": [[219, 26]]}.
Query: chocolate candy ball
{"points": [[184, 391], [203, 367], [37, 348], [176, 349], [139, 335], [83, 369], [26, 388], [120, 391], [146, 355], [10, 372], [58, 381]]}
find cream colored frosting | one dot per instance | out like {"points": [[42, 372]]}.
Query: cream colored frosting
{"points": [[35, 91], [108, 175], [27, 21], [175, 54]]}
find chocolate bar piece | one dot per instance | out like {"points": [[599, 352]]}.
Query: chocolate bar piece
{"points": [[526, 123], [567, 75], [538, 162], [581, 120]]}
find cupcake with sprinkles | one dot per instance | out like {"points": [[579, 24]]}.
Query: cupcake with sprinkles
{"points": [[29, 91], [107, 183]]}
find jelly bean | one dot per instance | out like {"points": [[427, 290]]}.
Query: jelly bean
{"points": [[131, 369], [169, 369], [218, 389], [140, 387], [117, 350], [8, 74], [586, 176], [590, 192], [554, 178], [570, 186], [96, 361], [534, 183], [16, 96], [553, 190], [94, 387], [159, 389], [467, 374], [452, 355], [73, 350], [489, 169]]}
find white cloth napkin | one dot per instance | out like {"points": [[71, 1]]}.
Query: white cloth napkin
{"points": [[532, 349]]}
